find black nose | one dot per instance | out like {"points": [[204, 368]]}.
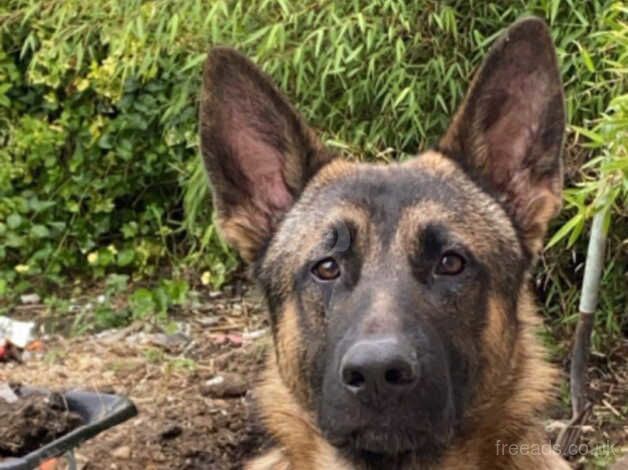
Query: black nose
{"points": [[379, 368]]}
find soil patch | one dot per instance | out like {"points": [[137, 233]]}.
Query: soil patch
{"points": [[33, 421], [192, 388]]}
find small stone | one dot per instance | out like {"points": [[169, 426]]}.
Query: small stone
{"points": [[226, 385], [208, 320], [30, 299], [168, 342], [253, 335], [122, 452], [171, 432]]}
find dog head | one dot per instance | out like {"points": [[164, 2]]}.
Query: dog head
{"points": [[392, 289]]}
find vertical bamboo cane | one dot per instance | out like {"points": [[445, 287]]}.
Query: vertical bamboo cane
{"points": [[588, 304], [582, 344]]}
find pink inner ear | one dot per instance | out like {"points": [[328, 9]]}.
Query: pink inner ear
{"points": [[262, 166], [513, 133]]}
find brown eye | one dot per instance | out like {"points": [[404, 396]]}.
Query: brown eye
{"points": [[450, 264], [326, 269]]}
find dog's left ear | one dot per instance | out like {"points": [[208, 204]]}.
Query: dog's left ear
{"points": [[509, 130]]}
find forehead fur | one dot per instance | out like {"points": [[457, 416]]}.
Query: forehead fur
{"points": [[389, 204]]}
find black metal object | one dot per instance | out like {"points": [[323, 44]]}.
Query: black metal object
{"points": [[100, 411]]}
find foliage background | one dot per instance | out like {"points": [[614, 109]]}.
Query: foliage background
{"points": [[99, 170]]}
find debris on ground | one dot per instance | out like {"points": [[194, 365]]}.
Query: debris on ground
{"points": [[30, 299], [225, 386], [18, 333], [16, 338], [7, 393], [9, 352]]}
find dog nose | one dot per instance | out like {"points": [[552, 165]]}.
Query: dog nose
{"points": [[379, 368]]}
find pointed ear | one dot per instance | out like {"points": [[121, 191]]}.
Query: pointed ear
{"points": [[258, 152], [509, 130]]}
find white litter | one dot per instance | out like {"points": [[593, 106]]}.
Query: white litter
{"points": [[18, 333], [30, 299], [6, 393]]}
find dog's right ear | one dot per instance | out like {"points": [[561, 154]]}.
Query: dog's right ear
{"points": [[257, 150], [509, 130]]}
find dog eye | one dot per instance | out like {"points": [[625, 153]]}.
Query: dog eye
{"points": [[326, 269], [450, 264]]}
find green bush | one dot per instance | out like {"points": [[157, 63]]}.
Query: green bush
{"points": [[99, 171]]}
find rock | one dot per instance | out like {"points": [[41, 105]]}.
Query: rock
{"points": [[168, 342], [171, 432], [226, 385], [253, 335], [122, 452], [208, 320], [30, 299]]}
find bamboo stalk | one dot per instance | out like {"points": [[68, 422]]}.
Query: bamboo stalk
{"points": [[580, 354], [588, 304]]}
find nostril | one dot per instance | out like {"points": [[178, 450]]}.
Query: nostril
{"points": [[393, 376], [353, 378], [399, 376]]}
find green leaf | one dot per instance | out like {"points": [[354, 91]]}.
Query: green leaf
{"points": [[586, 58], [142, 303], [177, 290], [14, 221], [126, 257], [162, 301], [570, 225], [40, 231]]}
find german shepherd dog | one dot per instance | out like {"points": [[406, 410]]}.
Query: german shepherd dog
{"points": [[399, 298]]}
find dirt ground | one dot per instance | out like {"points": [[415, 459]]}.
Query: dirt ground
{"points": [[193, 390]]}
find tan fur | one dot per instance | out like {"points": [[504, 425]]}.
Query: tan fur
{"points": [[288, 343], [300, 444], [505, 413], [497, 337], [332, 171], [237, 231], [435, 163], [474, 228], [344, 211], [509, 405]]}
